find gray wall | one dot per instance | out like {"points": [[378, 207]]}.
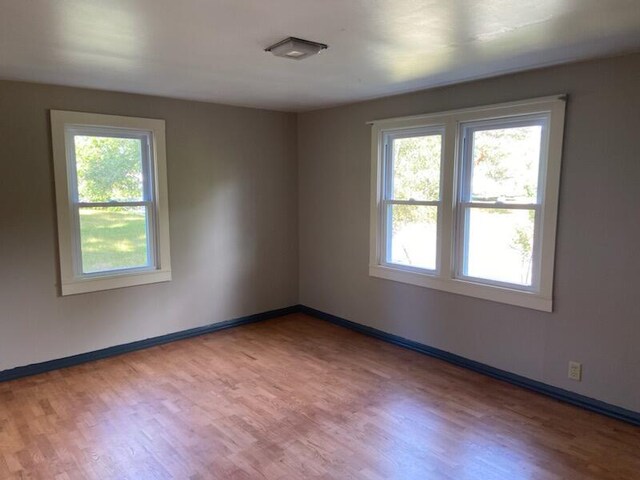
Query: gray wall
{"points": [[232, 178], [234, 209], [597, 296]]}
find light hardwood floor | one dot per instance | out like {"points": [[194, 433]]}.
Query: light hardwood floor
{"points": [[297, 398]]}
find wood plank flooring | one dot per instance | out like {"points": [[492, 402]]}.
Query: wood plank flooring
{"points": [[297, 398]]}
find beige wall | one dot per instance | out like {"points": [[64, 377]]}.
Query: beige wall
{"points": [[233, 216], [234, 176], [597, 312]]}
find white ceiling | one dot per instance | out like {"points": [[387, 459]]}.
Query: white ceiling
{"points": [[213, 49]]}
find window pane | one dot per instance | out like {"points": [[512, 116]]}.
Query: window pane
{"points": [[500, 245], [109, 168], [412, 236], [416, 167], [113, 238], [505, 164]]}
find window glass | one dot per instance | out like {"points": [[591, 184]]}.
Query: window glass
{"points": [[500, 245], [505, 164], [109, 168], [413, 235], [416, 167], [113, 238]]}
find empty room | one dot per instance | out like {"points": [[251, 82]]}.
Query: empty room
{"points": [[303, 239]]}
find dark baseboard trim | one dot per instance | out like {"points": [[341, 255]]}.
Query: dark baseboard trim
{"points": [[36, 368], [539, 387], [551, 391]]}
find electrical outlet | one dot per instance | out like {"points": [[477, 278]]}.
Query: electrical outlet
{"points": [[575, 371]]}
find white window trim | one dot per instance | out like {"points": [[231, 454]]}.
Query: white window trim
{"points": [[540, 297], [71, 281]]}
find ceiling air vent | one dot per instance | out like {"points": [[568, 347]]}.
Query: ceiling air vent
{"points": [[295, 48]]}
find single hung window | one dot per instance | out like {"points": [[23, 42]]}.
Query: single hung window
{"points": [[112, 209], [412, 197], [466, 201]]}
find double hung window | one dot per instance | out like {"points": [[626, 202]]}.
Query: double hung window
{"points": [[111, 195], [466, 201]]}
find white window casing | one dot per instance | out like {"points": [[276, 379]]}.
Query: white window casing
{"points": [[151, 134], [454, 201]]}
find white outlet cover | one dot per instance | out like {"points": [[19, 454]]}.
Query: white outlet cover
{"points": [[575, 371]]}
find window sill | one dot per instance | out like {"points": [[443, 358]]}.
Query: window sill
{"points": [[462, 287], [85, 285]]}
